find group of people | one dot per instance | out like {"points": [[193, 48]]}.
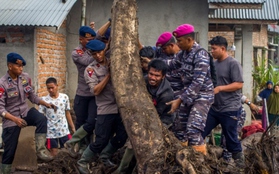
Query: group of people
{"points": [[178, 78]]}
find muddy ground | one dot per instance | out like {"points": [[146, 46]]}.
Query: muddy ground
{"points": [[261, 152]]}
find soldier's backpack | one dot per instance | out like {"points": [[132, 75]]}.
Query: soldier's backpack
{"points": [[212, 66]]}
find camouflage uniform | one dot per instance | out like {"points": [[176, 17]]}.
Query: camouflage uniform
{"points": [[197, 95]]}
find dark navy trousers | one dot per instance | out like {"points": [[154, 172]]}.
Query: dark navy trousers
{"points": [[228, 121]]}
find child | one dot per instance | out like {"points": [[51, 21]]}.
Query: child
{"points": [[273, 107], [57, 124]]}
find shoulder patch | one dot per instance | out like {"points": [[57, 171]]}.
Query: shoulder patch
{"points": [[1, 92], [80, 52], [90, 71]]}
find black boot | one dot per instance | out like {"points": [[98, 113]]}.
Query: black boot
{"points": [[239, 160]]}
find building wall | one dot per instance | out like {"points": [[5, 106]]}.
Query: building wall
{"points": [[154, 17], [260, 38], [20, 40], [51, 57]]}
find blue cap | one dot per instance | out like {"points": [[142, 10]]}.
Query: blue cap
{"points": [[16, 59], [107, 34], [96, 45], [86, 32]]}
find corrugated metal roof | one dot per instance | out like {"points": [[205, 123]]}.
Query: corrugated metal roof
{"points": [[34, 12], [269, 11], [238, 1]]}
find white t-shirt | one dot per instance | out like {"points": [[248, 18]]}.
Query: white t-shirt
{"points": [[57, 125]]}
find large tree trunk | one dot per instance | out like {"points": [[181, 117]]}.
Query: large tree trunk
{"points": [[146, 133]]}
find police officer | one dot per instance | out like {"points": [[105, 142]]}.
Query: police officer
{"points": [[109, 123], [84, 103], [15, 88], [198, 91]]}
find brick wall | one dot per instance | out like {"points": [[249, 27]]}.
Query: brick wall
{"points": [[51, 57], [260, 36]]}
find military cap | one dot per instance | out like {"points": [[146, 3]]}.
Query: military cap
{"points": [[163, 39], [16, 59], [183, 30], [86, 32], [96, 45]]}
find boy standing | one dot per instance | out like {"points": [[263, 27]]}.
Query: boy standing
{"points": [[57, 120]]}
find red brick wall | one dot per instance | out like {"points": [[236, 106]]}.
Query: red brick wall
{"points": [[12, 34], [260, 37], [51, 58]]}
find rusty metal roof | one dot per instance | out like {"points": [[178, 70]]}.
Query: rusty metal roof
{"points": [[34, 12], [269, 11]]}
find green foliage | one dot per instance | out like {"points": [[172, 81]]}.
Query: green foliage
{"points": [[262, 74]]}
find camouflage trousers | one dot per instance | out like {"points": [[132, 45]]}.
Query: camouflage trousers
{"points": [[189, 122]]}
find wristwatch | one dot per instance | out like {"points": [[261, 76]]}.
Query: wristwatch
{"points": [[3, 114], [248, 103]]}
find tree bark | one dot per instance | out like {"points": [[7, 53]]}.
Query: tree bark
{"points": [[144, 128]]}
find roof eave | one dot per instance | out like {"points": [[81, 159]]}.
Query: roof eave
{"points": [[235, 6], [241, 21]]}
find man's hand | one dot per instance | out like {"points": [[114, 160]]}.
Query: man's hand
{"points": [[217, 89], [20, 122], [174, 105], [145, 60], [254, 108], [50, 105]]}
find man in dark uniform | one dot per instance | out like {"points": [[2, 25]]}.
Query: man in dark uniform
{"points": [[197, 94], [110, 131], [84, 103], [15, 89]]}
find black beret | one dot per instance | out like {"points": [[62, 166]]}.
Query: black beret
{"points": [[16, 59], [86, 31], [96, 45]]}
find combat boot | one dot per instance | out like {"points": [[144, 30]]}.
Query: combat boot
{"points": [[106, 154], [76, 137], [6, 168], [125, 161], [200, 148], [42, 152], [239, 160], [83, 163]]}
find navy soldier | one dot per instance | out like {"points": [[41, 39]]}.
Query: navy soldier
{"points": [[97, 76], [198, 93], [15, 89], [84, 103]]}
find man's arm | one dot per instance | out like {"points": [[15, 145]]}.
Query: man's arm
{"points": [[100, 86], [70, 121], [228, 88]]}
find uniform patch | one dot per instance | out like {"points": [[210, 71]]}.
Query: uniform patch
{"points": [[80, 52], [10, 89], [1, 92], [90, 71], [27, 89]]}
